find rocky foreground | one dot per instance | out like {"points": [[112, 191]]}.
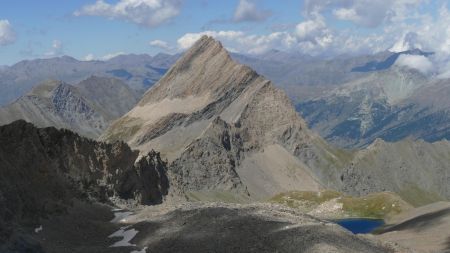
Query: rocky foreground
{"points": [[195, 227], [57, 192]]}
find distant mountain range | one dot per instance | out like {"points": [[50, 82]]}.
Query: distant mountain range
{"points": [[350, 101], [139, 71], [391, 104], [87, 108]]}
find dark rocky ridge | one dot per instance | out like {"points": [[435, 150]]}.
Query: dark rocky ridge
{"points": [[43, 170]]}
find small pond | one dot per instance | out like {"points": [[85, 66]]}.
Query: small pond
{"points": [[360, 226]]}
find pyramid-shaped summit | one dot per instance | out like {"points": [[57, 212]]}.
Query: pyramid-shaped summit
{"points": [[223, 127]]}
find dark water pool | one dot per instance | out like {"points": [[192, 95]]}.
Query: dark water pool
{"points": [[360, 226]]}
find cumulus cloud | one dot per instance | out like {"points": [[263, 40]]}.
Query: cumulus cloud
{"points": [[89, 57], [247, 10], [418, 62], [92, 57], [324, 43], [367, 13], [160, 44], [403, 28], [149, 13], [314, 31], [57, 49], [110, 56], [238, 41], [7, 34]]}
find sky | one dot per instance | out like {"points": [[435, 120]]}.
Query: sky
{"points": [[101, 29]]}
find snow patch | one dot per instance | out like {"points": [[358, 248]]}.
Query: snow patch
{"points": [[127, 236], [121, 217], [144, 250], [38, 229]]}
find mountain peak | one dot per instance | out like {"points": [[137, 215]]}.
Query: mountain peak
{"points": [[203, 71], [44, 89], [206, 46]]}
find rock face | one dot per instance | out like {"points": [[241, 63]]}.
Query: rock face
{"points": [[87, 108], [214, 119], [43, 170]]}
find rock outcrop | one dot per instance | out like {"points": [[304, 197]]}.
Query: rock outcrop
{"points": [[214, 119], [43, 170], [86, 108]]}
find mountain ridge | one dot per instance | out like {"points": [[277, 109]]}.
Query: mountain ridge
{"points": [[87, 108]]}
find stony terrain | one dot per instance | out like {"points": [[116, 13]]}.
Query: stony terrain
{"points": [[57, 190], [42, 171], [87, 108], [424, 229], [197, 227]]}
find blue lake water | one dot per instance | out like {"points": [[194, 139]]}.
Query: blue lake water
{"points": [[360, 226]]}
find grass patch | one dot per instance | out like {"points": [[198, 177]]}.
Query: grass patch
{"points": [[297, 199], [375, 206]]}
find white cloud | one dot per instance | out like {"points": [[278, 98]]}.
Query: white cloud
{"points": [[149, 13], [418, 62], [56, 50], [403, 29], [7, 34], [92, 57], [314, 31], [238, 41], [160, 44], [247, 10], [187, 40], [89, 57], [407, 42], [110, 56], [346, 14], [366, 13]]}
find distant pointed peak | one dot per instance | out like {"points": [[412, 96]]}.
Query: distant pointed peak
{"points": [[204, 48], [45, 88], [206, 44]]}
